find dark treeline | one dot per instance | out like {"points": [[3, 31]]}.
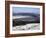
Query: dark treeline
{"points": [[20, 22]]}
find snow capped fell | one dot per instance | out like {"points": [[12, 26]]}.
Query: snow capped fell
{"points": [[16, 17]]}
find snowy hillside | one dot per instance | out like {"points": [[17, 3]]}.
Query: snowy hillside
{"points": [[32, 26]]}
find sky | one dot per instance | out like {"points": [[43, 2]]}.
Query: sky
{"points": [[25, 10]]}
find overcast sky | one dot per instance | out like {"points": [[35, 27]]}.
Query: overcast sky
{"points": [[25, 10]]}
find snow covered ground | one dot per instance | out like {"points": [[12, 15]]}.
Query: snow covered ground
{"points": [[31, 26]]}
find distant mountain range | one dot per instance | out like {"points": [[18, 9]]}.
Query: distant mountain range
{"points": [[26, 14]]}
